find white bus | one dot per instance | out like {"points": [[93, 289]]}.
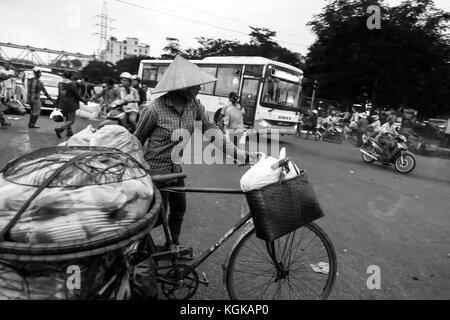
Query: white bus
{"points": [[270, 91]]}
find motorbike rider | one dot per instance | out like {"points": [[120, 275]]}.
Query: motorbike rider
{"points": [[131, 96], [387, 131], [142, 93], [311, 122], [109, 94], [330, 121]]}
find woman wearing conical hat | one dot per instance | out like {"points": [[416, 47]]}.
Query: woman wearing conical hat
{"points": [[176, 112]]}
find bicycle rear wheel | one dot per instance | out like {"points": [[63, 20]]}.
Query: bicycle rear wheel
{"points": [[305, 267]]}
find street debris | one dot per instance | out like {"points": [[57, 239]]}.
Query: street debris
{"points": [[321, 267]]}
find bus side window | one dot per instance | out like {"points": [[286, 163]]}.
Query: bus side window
{"points": [[209, 87], [228, 80]]}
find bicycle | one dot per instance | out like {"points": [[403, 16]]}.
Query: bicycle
{"points": [[287, 268]]}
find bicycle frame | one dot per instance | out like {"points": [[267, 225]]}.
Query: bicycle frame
{"points": [[207, 253]]}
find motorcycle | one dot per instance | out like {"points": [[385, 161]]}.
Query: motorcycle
{"points": [[334, 134], [116, 115], [403, 160]]}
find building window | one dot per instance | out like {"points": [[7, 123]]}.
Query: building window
{"points": [[135, 42]]}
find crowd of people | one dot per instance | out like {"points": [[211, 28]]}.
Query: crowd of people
{"points": [[359, 124], [11, 88]]}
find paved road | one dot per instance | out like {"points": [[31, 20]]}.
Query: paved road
{"points": [[374, 215]]}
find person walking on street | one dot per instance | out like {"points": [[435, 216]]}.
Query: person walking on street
{"points": [[234, 119], [35, 87], [68, 101], [178, 109]]}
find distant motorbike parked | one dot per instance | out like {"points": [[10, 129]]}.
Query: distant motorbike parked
{"points": [[403, 160]]}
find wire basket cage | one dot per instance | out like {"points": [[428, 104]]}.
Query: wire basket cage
{"points": [[71, 168]]}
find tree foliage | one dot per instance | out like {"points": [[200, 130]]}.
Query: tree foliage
{"points": [[405, 63], [99, 72], [262, 43], [172, 49], [131, 64]]}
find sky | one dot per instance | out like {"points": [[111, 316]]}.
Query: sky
{"points": [[69, 25]]}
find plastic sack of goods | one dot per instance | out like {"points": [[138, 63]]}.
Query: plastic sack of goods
{"points": [[261, 174], [99, 193], [111, 136], [67, 214]]}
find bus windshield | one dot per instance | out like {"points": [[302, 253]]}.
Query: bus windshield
{"points": [[280, 94]]}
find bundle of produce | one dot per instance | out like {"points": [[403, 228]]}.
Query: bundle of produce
{"points": [[77, 194], [66, 216], [111, 136]]}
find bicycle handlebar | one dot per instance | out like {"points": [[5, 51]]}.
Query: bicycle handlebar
{"points": [[167, 178], [282, 163]]}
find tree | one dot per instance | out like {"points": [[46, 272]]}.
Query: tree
{"points": [[212, 47], [131, 64], [172, 49], [100, 72], [261, 44], [405, 63]]}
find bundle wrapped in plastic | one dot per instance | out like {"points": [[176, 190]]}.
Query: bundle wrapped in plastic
{"points": [[99, 193], [110, 136], [71, 209]]}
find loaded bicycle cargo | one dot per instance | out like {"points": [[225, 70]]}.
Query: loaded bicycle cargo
{"points": [[68, 215]]}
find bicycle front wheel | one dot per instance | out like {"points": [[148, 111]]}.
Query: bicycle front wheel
{"points": [[299, 266]]}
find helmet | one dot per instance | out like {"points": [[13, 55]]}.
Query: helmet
{"points": [[126, 75], [315, 112], [135, 77], [37, 70]]}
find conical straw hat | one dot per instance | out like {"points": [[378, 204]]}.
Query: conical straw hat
{"points": [[182, 74]]}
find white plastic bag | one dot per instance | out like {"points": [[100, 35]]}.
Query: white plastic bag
{"points": [[56, 113], [260, 175], [117, 137]]}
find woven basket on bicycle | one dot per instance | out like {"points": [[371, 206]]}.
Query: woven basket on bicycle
{"points": [[39, 270], [283, 207]]}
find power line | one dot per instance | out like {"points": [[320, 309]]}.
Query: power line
{"points": [[224, 17], [199, 22]]}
